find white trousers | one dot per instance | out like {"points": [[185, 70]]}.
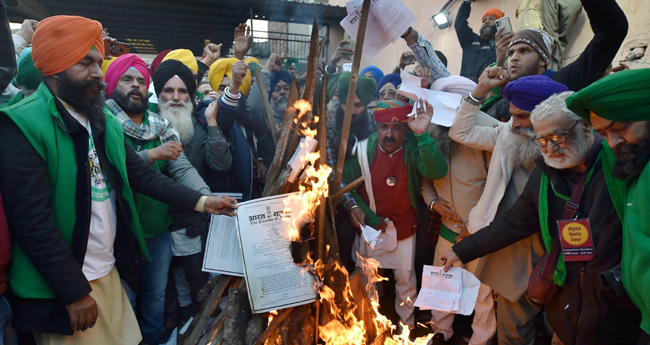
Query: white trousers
{"points": [[484, 323]]}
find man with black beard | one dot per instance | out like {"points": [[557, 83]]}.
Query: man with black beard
{"points": [[618, 107], [158, 144], [66, 176], [361, 127], [453, 197], [513, 160], [590, 306], [478, 50], [529, 52]]}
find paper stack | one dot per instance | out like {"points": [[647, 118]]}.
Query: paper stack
{"points": [[454, 291]]}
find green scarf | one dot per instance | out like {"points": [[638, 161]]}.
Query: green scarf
{"points": [[616, 190], [40, 122]]}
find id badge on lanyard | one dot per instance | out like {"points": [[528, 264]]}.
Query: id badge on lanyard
{"points": [[576, 239]]}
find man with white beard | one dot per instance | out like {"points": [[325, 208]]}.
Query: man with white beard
{"points": [[513, 160], [571, 201]]}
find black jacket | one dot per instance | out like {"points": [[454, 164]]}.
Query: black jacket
{"points": [[583, 312], [477, 54], [25, 186], [610, 26], [7, 53]]}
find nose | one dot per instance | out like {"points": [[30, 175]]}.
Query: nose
{"points": [[96, 72], [551, 147], [614, 140], [177, 96]]}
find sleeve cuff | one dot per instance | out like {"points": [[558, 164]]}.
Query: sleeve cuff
{"points": [[200, 205], [465, 251], [214, 131], [230, 99]]}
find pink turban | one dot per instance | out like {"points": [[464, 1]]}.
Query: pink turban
{"points": [[454, 84], [119, 66]]}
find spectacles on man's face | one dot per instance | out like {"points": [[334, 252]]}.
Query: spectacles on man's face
{"points": [[556, 138]]}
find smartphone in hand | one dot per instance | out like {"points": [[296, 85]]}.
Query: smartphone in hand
{"points": [[504, 22]]}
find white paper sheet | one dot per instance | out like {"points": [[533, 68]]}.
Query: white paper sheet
{"points": [[444, 104], [436, 294], [299, 159], [273, 280], [387, 21], [388, 238], [222, 249], [371, 235]]}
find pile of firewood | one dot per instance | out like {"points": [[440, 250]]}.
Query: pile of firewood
{"points": [[232, 323]]}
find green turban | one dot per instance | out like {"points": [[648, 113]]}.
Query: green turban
{"points": [[28, 77], [291, 61], [332, 85], [621, 97], [366, 88]]}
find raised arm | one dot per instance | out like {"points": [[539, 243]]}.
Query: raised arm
{"points": [[426, 56], [463, 31]]}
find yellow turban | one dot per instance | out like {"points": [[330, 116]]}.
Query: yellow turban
{"points": [[107, 63], [223, 67], [252, 59], [185, 56]]}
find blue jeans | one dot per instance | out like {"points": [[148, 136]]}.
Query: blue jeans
{"points": [[153, 282], [5, 316]]}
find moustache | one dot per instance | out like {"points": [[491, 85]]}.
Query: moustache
{"points": [[135, 92], [389, 140], [93, 83]]}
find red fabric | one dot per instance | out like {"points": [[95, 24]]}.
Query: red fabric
{"points": [[497, 13], [115, 71], [157, 61], [5, 245], [61, 41], [392, 202], [393, 114]]}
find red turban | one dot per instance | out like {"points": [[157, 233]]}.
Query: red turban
{"points": [[61, 41], [392, 111], [157, 60], [119, 66], [497, 13]]}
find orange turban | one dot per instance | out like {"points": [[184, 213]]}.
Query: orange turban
{"points": [[497, 13], [61, 41]]}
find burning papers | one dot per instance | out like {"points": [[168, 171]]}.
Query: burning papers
{"points": [[300, 157], [273, 280], [454, 291]]}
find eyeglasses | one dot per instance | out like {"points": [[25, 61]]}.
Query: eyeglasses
{"points": [[556, 138]]}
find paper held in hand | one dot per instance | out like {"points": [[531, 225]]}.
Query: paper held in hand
{"points": [[454, 291], [299, 159], [444, 104], [387, 21]]}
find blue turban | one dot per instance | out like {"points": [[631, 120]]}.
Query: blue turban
{"points": [[526, 93], [392, 78], [376, 72], [282, 75]]}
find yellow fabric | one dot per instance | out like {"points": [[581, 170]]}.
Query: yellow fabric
{"points": [[529, 15], [107, 63], [116, 323], [185, 56], [223, 67]]}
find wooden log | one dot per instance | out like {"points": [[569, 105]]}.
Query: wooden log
{"points": [[304, 321], [289, 332], [211, 333], [364, 310], [312, 64], [268, 111], [354, 184], [256, 326], [275, 324], [235, 322], [349, 106], [279, 183], [195, 330], [205, 290]]}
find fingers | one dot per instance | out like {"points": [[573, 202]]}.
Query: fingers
{"points": [[448, 265], [95, 315], [82, 325], [74, 320], [499, 33]]}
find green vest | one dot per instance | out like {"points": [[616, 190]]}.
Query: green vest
{"points": [[41, 123], [154, 215]]}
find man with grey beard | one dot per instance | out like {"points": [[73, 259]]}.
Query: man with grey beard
{"points": [[590, 305], [513, 160]]}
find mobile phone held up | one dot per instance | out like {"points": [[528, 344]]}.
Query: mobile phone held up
{"points": [[116, 48], [504, 22]]}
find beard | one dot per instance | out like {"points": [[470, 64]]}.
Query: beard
{"points": [[181, 118], [520, 148], [487, 32], [632, 158], [129, 106], [572, 156], [361, 127], [280, 105], [87, 97], [446, 145]]}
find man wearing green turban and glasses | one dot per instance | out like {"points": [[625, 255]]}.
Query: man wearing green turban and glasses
{"points": [[618, 107]]}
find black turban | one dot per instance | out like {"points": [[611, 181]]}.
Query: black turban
{"points": [[170, 68]]}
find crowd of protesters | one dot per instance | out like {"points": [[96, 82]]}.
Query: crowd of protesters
{"points": [[111, 167]]}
